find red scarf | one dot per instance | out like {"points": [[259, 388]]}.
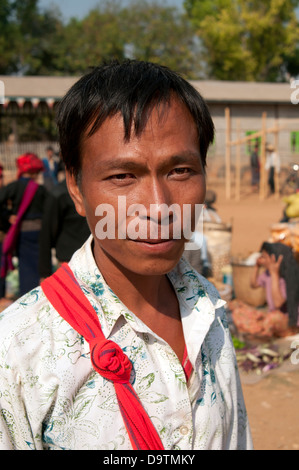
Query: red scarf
{"points": [[108, 359]]}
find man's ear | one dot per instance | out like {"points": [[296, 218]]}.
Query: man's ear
{"points": [[75, 193]]}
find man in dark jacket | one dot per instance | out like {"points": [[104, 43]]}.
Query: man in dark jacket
{"points": [[29, 166], [62, 229]]}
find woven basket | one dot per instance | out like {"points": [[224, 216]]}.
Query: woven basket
{"points": [[219, 237], [242, 274]]}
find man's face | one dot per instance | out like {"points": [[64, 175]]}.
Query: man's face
{"points": [[160, 167]]}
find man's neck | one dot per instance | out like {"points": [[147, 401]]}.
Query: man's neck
{"points": [[137, 292], [151, 298]]}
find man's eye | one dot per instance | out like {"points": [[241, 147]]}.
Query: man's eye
{"points": [[122, 176], [180, 171]]}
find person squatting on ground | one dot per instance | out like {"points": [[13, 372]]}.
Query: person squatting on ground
{"points": [[136, 352], [279, 277]]}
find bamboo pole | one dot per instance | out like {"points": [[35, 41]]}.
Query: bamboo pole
{"points": [[263, 157], [238, 162], [231, 143], [271, 130], [276, 174], [228, 154]]}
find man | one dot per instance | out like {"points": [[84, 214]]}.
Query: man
{"points": [[255, 167], [272, 165], [50, 169], [62, 229], [134, 133]]}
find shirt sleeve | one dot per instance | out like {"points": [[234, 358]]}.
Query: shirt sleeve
{"points": [[239, 437], [283, 288], [261, 280], [277, 162]]}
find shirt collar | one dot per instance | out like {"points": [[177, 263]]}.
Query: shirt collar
{"points": [[198, 299], [105, 302]]}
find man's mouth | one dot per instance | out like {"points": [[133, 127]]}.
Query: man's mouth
{"points": [[152, 241]]}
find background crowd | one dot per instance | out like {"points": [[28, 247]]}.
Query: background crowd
{"points": [[40, 227]]}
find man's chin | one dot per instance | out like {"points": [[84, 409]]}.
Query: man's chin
{"points": [[140, 258]]}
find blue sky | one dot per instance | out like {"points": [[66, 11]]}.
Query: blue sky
{"points": [[80, 8]]}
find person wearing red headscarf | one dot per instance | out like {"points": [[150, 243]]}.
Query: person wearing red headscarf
{"points": [[4, 226], [24, 242], [29, 165]]}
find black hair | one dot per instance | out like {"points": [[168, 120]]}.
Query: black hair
{"points": [[289, 271], [132, 88]]}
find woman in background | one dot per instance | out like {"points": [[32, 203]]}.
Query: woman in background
{"points": [[280, 279], [4, 226], [23, 239]]}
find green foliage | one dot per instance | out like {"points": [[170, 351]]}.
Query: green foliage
{"points": [[83, 44], [221, 39], [161, 34], [35, 42], [26, 35], [246, 39]]}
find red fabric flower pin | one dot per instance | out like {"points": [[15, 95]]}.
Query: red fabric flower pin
{"points": [[109, 360]]}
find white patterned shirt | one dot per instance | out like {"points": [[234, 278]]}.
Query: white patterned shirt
{"points": [[51, 398]]}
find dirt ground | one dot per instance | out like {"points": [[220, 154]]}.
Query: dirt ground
{"points": [[273, 409], [250, 216], [272, 399]]}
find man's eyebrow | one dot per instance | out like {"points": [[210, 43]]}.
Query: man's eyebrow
{"points": [[181, 159], [130, 165], [184, 157], [119, 163]]}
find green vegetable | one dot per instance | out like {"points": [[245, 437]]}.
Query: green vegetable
{"points": [[237, 343]]}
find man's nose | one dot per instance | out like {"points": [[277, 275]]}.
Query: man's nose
{"points": [[158, 201]]}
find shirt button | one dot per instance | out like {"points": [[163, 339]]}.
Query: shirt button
{"points": [[184, 430]]}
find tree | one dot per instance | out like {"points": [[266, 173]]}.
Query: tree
{"points": [[142, 30], [7, 35], [81, 44], [245, 39], [25, 37], [162, 34], [292, 64], [38, 42]]}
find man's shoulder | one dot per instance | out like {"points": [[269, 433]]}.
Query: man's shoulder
{"points": [[188, 270], [33, 313], [25, 314], [198, 289]]}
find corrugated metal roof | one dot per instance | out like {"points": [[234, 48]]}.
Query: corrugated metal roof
{"points": [[244, 92], [213, 91], [36, 87]]}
